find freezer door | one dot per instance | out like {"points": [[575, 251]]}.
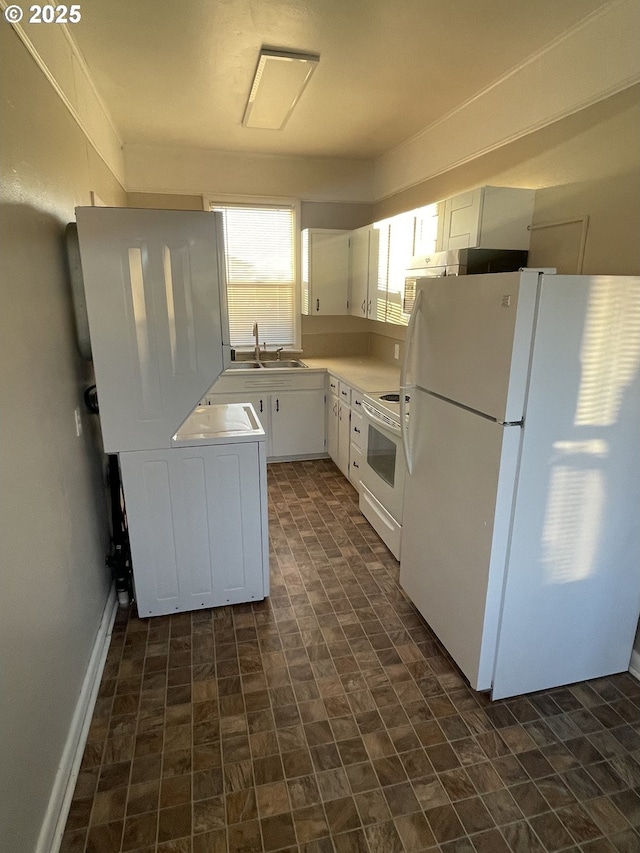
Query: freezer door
{"points": [[457, 505], [471, 340], [153, 283]]}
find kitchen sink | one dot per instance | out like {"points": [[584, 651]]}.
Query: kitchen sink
{"points": [[283, 363]]}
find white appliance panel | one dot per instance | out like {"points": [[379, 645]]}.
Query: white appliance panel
{"points": [[472, 338], [572, 595], [453, 555], [154, 284], [196, 525], [385, 525]]}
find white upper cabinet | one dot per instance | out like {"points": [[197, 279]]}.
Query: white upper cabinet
{"points": [[325, 271], [487, 217], [365, 297]]}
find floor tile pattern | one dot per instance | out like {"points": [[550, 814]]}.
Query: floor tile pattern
{"points": [[327, 719]]}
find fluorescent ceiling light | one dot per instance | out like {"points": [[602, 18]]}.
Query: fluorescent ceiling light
{"points": [[279, 81]]}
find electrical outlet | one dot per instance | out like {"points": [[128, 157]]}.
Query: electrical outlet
{"points": [[76, 413], [396, 351]]}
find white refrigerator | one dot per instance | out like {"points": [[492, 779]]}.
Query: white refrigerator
{"points": [[521, 527]]}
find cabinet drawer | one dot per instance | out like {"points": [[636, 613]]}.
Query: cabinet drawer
{"points": [[356, 401], [263, 380], [357, 427], [345, 393]]}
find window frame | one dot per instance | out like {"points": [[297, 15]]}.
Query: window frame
{"points": [[224, 200]]}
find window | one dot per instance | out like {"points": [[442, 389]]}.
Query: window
{"points": [[401, 237], [262, 280]]}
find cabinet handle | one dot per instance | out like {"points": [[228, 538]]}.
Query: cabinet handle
{"points": [[356, 429], [317, 304], [358, 403], [364, 305], [369, 307], [260, 405], [344, 393], [277, 405], [355, 464]]}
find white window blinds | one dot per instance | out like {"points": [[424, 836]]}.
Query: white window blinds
{"points": [[261, 274]]}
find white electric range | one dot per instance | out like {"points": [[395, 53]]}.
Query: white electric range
{"points": [[383, 468]]}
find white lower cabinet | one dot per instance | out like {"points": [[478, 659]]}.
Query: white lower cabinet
{"points": [[344, 437], [297, 423], [344, 428], [197, 525], [333, 406], [290, 406]]}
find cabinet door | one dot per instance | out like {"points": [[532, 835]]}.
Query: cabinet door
{"points": [[365, 297], [297, 423], [462, 220], [328, 272], [196, 526], [344, 437], [332, 426], [359, 247]]}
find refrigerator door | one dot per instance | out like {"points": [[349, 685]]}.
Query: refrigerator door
{"points": [[456, 526], [572, 594], [471, 341], [154, 286]]}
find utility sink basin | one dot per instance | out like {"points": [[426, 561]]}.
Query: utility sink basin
{"points": [[243, 365], [282, 364]]}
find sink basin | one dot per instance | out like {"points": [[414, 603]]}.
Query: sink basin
{"points": [[283, 364]]}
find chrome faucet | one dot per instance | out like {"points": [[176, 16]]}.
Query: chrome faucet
{"points": [[278, 351], [257, 347]]}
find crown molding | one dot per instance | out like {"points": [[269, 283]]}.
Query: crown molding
{"points": [[63, 65], [590, 62]]}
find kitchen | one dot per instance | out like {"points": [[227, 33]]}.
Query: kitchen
{"points": [[585, 163]]}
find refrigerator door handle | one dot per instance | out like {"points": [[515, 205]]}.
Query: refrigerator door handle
{"points": [[404, 426]]}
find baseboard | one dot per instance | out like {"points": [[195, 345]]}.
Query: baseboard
{"points": [[634, 666], [55, 818]]}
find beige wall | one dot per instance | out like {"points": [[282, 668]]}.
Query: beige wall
{"points": [[54, 532], [587, 164]]}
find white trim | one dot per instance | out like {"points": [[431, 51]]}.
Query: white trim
{"points": [[55, 818], [428, 153], [634, 666]]}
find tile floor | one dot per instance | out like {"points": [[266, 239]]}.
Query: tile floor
{"points": [[327, 719]]}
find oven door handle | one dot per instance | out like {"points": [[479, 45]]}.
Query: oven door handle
{"points": [[373, 416], [404, 388]]}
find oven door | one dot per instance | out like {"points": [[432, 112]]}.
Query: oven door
{"points": [[383, 465]]}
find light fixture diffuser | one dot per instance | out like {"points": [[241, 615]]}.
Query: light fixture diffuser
{"points": [[280, 79]]}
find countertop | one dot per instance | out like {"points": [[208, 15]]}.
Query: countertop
{"points": [[361, 372], [223, 423]]}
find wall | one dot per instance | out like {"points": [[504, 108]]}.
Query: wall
{"points": [[586, 164], [54, 533], [166, 169]]}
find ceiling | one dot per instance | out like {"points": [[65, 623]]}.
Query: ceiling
{"points": [[178, 72]]}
